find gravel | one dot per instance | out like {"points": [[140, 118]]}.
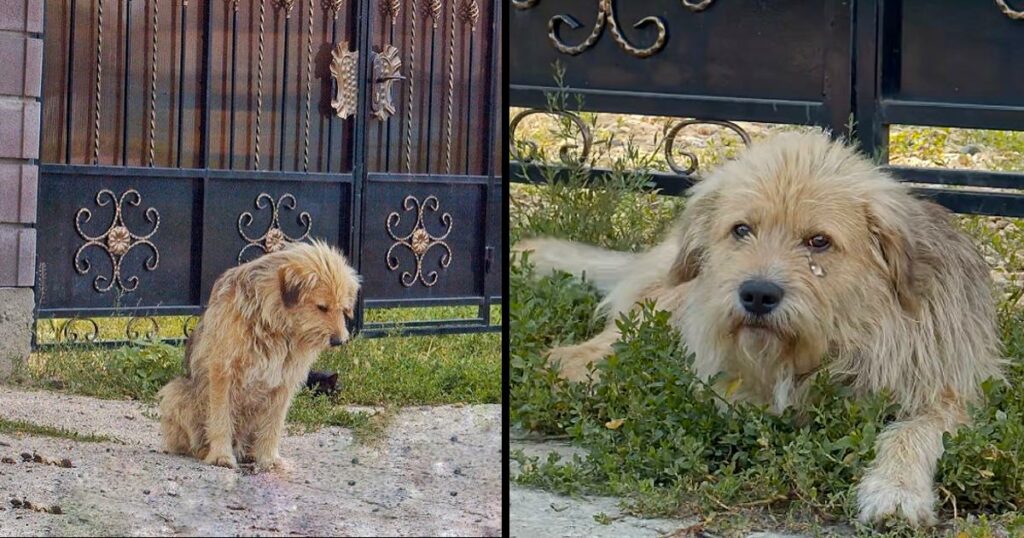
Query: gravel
{"points": [[399, 485]]}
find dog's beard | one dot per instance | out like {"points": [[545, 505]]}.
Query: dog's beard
{"points": [[761, 339]]}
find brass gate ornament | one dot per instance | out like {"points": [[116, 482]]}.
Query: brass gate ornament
{"points": [[344, 69], [117, 240], [419, 240]]}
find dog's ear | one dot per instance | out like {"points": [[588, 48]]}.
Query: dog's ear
{"points": [[691, 236], [897, 254], [294, 280]]}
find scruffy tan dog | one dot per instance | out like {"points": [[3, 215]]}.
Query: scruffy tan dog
{"points": [[266, 322], [801, 255]]}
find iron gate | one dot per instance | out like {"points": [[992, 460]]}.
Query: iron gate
{"points": [[864, 64], [184, 137]]}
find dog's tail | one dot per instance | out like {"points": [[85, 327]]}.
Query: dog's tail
{"points": [[601, 267]]}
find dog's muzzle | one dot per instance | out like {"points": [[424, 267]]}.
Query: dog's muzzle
{"points": [[760, 297], [335, 341]]}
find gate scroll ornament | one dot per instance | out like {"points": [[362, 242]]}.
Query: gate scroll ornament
{"points": [[419, 240], [528, 151], [117, 241], [1009, 11], [606, 15], [694, 164], [274, 238]]}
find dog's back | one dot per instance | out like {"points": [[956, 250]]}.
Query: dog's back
{"points": [[265, 324]]}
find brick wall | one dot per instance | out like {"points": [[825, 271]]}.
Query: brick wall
{"points": [[21, 62]]}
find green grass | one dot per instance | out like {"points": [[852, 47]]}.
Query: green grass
{"points": [[20, 427], [385, 373], [653, 433]]}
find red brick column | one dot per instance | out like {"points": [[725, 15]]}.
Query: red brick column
{"points": [[21, 65]]}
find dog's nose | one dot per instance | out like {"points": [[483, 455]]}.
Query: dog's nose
{"points": [[336, 341], [760, 296]]}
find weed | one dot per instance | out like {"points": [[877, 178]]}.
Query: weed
{"points": [[20, 427]]}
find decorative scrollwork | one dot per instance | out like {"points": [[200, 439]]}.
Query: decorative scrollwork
{"points": [[432, 10], [390, 9], [606, 15], [1009, 11], [469, 13], [697, 6], [134, 332], [274, 238], [189, 325], [343, 69], [419, 241], [72, 330], [117, 241], [670, 140], [333, 6], [564, 152], [286, 5]]}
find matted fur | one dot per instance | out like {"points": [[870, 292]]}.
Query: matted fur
{"points": [[266, 322], [905, 305]]}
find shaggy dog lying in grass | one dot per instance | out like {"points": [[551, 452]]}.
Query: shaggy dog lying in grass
{"points": [[800, 250], [266, 322]]}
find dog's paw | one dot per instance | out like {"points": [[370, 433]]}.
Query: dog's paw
{"points": [[571, 363], [274, 464], [221, 460], [882, 497]]}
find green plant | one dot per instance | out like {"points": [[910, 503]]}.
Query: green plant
{"points": [[142, 369]]}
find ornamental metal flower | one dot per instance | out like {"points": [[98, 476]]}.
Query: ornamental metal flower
{"points": [[419, 241], [274, 238], [117, 241]]}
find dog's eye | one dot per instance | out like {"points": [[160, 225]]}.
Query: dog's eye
{"points": [[323, 308], [819, 242], [741, 230]]}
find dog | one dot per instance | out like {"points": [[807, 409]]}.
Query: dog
{"points": [[265, 324], [801, 256]]}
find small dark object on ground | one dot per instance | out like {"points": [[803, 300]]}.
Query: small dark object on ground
{"points": [[322, 382]]}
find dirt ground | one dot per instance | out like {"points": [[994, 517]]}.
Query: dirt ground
{"points": [[436, 471]]}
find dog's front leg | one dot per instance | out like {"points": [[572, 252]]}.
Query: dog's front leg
{"points": [[219, 424], [573, 361], [900, 481], [268, 431]]}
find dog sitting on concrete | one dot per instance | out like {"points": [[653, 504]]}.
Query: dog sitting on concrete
{"points": [[266, 322], [801, 250]]}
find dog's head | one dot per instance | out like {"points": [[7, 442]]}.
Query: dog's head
{"points": [[318, 290], [798, 238]]}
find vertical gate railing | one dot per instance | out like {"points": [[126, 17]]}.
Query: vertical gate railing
{"points": [[183, 137]]}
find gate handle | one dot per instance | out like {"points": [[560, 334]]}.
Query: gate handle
{"points": [[344, 69]]}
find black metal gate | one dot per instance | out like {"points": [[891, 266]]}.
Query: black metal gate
{"points": [[183, 137], [864, 64]]}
